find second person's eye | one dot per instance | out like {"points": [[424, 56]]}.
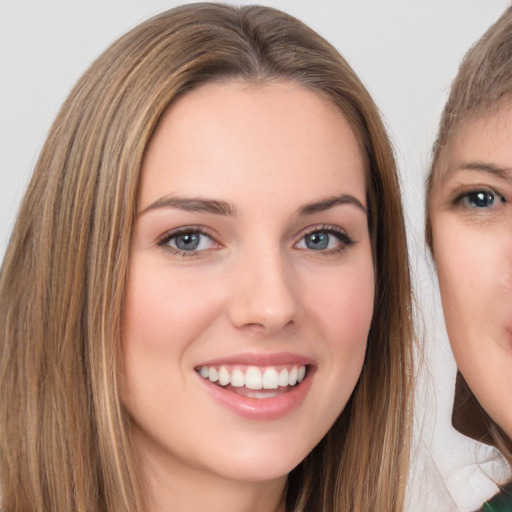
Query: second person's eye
{"points": [[482, 199]]}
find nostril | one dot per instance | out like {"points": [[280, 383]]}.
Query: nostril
{"points": [[267, 327]]}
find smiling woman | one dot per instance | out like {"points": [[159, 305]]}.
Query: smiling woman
{"points": [[285, 278], [205, 302]]}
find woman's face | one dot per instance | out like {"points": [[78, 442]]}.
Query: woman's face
{"points": [[471, 212], [251, 283]]}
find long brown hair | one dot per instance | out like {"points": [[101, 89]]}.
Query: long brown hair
{"points": [[483, 81], [64, 436]]}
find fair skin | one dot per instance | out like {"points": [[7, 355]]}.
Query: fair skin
{"points": [[250, 260], [471, 213]]}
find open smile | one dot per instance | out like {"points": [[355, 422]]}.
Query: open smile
{"points": [[254, 381], [258, 388]]}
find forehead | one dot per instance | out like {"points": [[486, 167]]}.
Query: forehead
{"points": [[483, 140], [239, 102], [277, 132]]}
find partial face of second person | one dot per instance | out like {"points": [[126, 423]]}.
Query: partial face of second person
{"points": [[251, 284], [471, 213]]}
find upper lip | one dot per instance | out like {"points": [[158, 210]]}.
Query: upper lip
{"points": [[260, 359]]}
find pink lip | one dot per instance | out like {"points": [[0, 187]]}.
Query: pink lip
{"points": [[264, 409], [277, 359]]}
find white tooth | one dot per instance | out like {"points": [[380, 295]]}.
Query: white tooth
{"points": [[302, 373], [292, 376], [204, 372], [283, 377], [237, 378], [213, 374], [253, 378], [224, 377], [260, 394], [270, 379]]}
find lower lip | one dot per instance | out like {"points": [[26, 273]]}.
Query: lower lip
{"points": [[260, 409]]}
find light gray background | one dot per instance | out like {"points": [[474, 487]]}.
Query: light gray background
{"points": [[405, 51]]}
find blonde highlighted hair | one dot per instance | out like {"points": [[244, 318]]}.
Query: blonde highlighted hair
{"points": [[483, 82], [64, 436]]}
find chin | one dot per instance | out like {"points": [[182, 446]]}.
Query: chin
{"points": [[262, 461]]}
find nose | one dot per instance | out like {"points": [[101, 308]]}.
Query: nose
{"points": [[265, 293]]}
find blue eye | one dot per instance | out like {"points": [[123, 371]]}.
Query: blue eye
{"points": [[318, 241], [327, 240], [482, 199], [187, 241]]}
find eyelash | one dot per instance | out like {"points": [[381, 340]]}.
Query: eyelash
{"points": [[462, 199], [343, 238], [164, 240]]}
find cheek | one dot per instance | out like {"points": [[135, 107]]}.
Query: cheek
{"points": [[162, 319], [474, 268], [162, 307], [474, 276], [343, 309], [343, 315]]}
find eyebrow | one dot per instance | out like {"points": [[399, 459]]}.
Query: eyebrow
{"points": [[485, 167], [330, 202], [216, 207], [193, 204]]}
